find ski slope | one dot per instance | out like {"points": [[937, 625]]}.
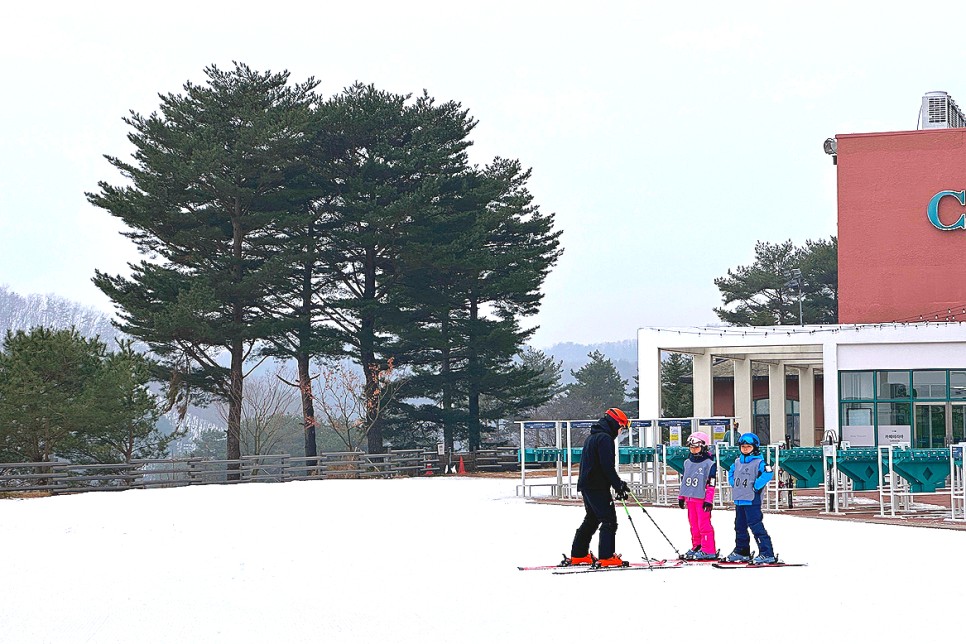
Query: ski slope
{"points": [[434, 559]]}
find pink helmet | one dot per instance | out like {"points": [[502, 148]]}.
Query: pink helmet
{"points": [[699, 439]]}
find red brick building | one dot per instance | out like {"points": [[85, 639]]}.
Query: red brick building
{"points": [[901, 224]]}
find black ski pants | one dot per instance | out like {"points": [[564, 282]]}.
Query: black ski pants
{"points": [[599, 512]]}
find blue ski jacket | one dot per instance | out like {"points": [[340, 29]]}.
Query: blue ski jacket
{"points": [[765, 475]]}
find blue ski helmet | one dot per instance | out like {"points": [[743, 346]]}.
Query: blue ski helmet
{"points": [[749, 439]]}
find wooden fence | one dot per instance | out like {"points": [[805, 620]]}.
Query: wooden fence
{"points": [[60, 477]]}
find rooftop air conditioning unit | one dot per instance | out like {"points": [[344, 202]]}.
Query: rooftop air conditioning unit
{"points": [[939, 111]]}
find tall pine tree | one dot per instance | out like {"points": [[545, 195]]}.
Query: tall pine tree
{"points": [[203, 197], [473, 268], [598, 387], [299, 297], [785, 284], [402, 155], [519, 246]]}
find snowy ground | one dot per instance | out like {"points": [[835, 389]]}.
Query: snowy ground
{"points": [[434, 560]]}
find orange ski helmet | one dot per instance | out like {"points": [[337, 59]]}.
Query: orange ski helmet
{"points": [[619, 416]]}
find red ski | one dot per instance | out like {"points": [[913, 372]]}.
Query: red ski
{"points": [[742, 564], [575, 567], [661, 564]]}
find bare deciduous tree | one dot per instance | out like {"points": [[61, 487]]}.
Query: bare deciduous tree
{"points": [[267, 405], [345, 405]]}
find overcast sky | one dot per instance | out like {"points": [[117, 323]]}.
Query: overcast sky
{"points": [[667, 139]]}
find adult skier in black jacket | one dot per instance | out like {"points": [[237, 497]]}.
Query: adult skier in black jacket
{"points": [[597, 476]]}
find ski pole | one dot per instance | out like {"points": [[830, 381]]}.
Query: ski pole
{"points": [[646, 558], [680, 556]]}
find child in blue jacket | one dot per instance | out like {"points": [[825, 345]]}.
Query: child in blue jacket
{"points": [[748, 476]]}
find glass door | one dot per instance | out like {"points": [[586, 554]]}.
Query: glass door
{"points": [[959, 422], [930, 430]]}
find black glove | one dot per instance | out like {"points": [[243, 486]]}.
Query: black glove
{"points": [[681, 503], [706, 507], [623, 491]]}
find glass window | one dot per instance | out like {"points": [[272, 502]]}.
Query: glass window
{"points": [[791, 406], [793, 431], [929, 384], [761, 407], [856, 385], [857, 413], [893, 413], [957, 384], [893, 384]]}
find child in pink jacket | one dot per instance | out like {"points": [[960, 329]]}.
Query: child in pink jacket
{"points": [[697, 495]]}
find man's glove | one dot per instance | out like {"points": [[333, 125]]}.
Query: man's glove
{"points": [[623, 491], [706, 507], [681, 503]]}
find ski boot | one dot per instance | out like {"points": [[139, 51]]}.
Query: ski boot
{"points": [[764, 559], [586, 560], [690, 553], [611, 562], [737, 557], [705, 556]]}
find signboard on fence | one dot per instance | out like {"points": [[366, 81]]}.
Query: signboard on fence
{"points": [[676, 429], [719, 427], [540, 424], [674, 432]]}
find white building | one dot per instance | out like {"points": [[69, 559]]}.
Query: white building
{"points": [[882, 384]]}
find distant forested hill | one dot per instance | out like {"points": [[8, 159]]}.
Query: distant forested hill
{"points": [[623, 354], [22, 312], [27, 311]]}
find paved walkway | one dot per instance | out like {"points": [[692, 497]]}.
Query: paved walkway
{"points": [[925, 511]]}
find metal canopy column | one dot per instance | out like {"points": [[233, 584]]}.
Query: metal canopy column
{"points": [[830, 389], [649, 381], [703, 383], [776, 402], [806, 405], [742, 390]]}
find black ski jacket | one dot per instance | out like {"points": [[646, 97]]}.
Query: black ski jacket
{"points": [[597, 471]]}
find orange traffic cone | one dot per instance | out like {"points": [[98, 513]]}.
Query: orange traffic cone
{"points": [[462, 469]]}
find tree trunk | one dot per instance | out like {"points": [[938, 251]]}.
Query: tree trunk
{"points": [[308, 407], [446, 398], [302, 357], [374, 435], [235, 408], [237, 354], [367, 346], [473, 384]]}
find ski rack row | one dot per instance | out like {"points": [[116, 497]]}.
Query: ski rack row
{"points": [[649, 479], [838, 488], [895, 493]]}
